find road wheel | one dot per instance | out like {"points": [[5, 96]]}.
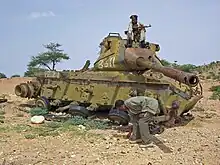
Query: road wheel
{"points": [[76, 110], [43, 102], [118, 116]]}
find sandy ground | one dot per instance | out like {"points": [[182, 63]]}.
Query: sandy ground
{"points": [[196, 143]]}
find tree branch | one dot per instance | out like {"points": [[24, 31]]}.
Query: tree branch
{"points": [[53, 64], [46, 65]]}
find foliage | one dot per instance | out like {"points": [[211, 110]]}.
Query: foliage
{"points": [[33, 132], [2, 117], [216, 92], [32, 71], [184, 67], [56, 128], [16, 75], [165, 62], [2, 112], [187, 67], [52, 56], [2, 75], [88, 123], [38, 111], [30, 136]]}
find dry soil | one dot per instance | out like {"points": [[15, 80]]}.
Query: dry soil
{"points": [[196, 143]]}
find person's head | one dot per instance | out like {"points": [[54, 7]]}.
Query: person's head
{"points": [[134, 19], [174, 105], [119, 104]]}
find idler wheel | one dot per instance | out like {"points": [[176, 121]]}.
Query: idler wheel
{"points": [[22, 90], [31, 90], [118, 116], [42, 102], [18, 90]]}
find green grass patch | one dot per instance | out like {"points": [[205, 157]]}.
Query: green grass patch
{"points": [[2, 112], [53, 128], [88, 123], [216, 92], [3, 129], [30, 136], [38, 111]]}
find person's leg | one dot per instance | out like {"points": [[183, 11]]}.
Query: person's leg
{"points": [[144, 128], [142, 35], [130, 104], [135, 136]]}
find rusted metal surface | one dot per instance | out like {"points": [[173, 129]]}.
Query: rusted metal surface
{"points": [[144, 59], [183, 77], [127, 83], [132, 54]]}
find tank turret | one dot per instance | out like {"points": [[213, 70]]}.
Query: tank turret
{"points": [[114, 56]]}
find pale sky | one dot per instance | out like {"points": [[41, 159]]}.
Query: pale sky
{"points": [[187, 30]]}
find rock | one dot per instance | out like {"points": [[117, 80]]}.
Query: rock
{"points": [[37, 119], [106, 138], [123, 152], [82, 127], [72, 156]]}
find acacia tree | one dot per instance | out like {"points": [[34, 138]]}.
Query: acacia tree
{"points": [[50, 58], [46, 60], [2, 75], [31, 71]]}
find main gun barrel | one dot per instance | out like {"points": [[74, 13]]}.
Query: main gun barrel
{"points": [[142, 59], [183, 77]]}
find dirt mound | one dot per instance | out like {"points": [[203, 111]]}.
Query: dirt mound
{"points": [[7, 85]]}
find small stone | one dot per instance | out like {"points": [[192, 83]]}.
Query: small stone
{"points": [[106, 138], [37, 119], [72, 156], [123, 152], [82, 127], [115, 139]]}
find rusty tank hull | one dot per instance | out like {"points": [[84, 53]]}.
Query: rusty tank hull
{"points": [[118, 74]]}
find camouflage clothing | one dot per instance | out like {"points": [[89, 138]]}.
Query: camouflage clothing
{"points": [[131, 32], [141, 104], [141, 110]]}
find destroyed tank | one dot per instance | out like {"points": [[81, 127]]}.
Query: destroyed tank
{"points": [[119, 73]]}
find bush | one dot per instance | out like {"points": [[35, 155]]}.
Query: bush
{"points": [[2, 75], [165, 63], [216, 92], [215, 88], [16, 75], [88, 123], [187, 67], [208, 77], [38, 111]]}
